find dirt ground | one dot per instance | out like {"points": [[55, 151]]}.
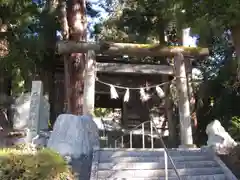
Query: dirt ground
{"points": [[232, 160]]}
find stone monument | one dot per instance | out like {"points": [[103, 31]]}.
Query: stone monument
{"points": [[31, 112]]}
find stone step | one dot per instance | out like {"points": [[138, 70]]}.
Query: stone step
{"points": [[128, 174], [152, 159], [205, 177], [149, 152], [155, 165]]}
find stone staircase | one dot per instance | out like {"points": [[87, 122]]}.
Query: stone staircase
{"points": [[149, 164]]}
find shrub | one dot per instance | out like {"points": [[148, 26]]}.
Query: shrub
{"points": [[24, 163], [234, 128]]}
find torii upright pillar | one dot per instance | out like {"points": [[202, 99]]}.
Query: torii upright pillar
{"points": [[183, 101], [89, 83]]}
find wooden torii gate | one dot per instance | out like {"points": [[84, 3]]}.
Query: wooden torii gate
{"points": [[177, 53]]}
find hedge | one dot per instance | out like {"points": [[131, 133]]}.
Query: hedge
{"points": [[26, 163]]}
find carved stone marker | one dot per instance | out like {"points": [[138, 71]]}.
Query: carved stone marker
{"points": [[35, 107], [74, 135], [31, 112], [218, 137]]}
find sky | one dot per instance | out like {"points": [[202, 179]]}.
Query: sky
{"points": [[102, 14]]}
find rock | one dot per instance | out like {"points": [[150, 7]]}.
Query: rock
{"points": [[41, 139], [20, 110], [74, 135], [218, 138]]}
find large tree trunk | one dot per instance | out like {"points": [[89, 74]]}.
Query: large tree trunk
{"points": [[169, 114], [77, 23], [236, 40], [168, 102], [65, 36], [50, 43]]}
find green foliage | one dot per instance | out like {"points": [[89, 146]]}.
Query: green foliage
{"points": [[211, 17], [141, 21], [31, 36], [218, 97], [25, 48], [102, 112], [221, 12], [234, 128], [20, 163]]}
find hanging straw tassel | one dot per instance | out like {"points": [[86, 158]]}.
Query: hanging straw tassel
{"points": [[160, 92], [113, 92], [126, 96], [143, 95]]}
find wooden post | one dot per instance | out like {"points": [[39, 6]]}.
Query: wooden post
{"points": [[191, 93], [169, 113], [67, 88], [89, 84], [66, 47], [183, 103], [124, 113]]}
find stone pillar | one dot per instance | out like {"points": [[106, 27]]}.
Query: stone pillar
{"points": [[44, 114], [89, 84], [35, 109], [183, 101]]}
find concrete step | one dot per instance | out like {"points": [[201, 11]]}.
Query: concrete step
{"points": [[157, 173], [205, 177], [149, 152], [152, 159], [156, 165]]}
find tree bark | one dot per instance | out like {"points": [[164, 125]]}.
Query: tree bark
{"points": [[77, 23], [168, 102], [52, 97], [65, 36], [169, 114], [50, 58], [66, 47], [236, 40]]}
